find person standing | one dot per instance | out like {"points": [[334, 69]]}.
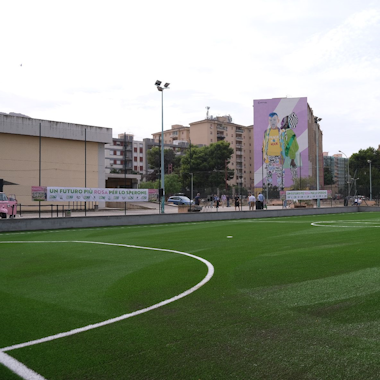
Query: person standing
{"points": [[197, 199], [260, 201], [237, 202], [228, 200], [217, 202], [251, 201], [224, 198]]}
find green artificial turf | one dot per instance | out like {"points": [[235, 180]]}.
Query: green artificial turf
{"points": [[288, 300]]}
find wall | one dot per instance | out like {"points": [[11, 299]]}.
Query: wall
{"points": [[18, 224], [63, 147], [279, 109]]}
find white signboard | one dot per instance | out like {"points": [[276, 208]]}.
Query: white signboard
{"points": [[87, 194], [306, 194]]}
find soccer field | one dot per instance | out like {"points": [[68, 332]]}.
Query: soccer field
{"points": [[282, 298]]}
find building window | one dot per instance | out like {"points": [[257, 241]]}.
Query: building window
{"points": [[141, 168], [135, 168], [135, 159], [141, 150], [135, 149], [141, 159]]}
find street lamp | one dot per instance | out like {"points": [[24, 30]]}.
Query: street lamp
{"points": [[316, 120], [370, 179], [348, 172], [161, 89]]}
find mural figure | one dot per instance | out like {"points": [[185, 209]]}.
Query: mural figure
{"points": [[291, 146], [273, 150]]}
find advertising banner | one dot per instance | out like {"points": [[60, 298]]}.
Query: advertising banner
{"points": [[308, 194], [86, 194], [153, 194], [280, 141], [39, 193]]}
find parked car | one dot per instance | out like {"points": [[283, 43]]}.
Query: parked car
{"points": [[180, 200], [8, 206]]}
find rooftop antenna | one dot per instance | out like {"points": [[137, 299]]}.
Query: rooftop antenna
{"points": [[207, 112]]}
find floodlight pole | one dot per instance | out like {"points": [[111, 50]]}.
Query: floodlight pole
{"points": [[161, 89], [316, 119], [370, 179]]}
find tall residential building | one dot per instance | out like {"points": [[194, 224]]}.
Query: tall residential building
{"points": [[240, 137], [119, 156], [212, 130], [178, 133], [338, 166]]}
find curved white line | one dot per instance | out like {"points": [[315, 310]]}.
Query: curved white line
{"points": [[208, 277], [330, 223]]}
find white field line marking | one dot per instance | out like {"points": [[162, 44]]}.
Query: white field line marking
{"points": [[19, 368], [208, 277], [333, 223]]}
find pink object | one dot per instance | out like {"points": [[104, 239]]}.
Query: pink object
{"points": [[8, 206]]}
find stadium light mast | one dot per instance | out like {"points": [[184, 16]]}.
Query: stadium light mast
{"points": [[370, 179], [161, 89], [316, 120]]}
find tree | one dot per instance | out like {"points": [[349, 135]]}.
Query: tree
{"points": [[149, 185], [303, 183], [171, 160], [208, 164], [328, 177], [359, 168], [172, 184]]}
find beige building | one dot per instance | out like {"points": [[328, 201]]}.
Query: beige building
{"points": [[212, 130], [178, 133], [49, 153]]}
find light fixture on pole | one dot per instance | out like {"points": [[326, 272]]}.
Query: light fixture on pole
{"points": [[370, 179], [316, 120], [160, 88], [348, 173]]}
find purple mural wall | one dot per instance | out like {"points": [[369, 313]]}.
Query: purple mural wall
{"points": [[280, 141]]}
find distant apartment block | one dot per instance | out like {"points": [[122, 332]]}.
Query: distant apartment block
{"points": [[338, 166], [212, 130], [120, 159]]}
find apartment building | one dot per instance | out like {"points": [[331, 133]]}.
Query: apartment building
{"points": [[121, 161], [212, 130], [338, 166], [177, 134], [221, 128]]}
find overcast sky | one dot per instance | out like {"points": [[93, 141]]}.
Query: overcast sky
{"points": [[96, 62]]}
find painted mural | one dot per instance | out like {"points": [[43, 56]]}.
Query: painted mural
{"points": [[280, 141]]}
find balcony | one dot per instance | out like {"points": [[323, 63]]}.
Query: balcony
{"points": [[239, 138], [239, 130]]}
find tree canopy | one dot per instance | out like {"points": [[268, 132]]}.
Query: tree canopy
{"points": [[170, 158], [208, 164], [360, 170]]}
